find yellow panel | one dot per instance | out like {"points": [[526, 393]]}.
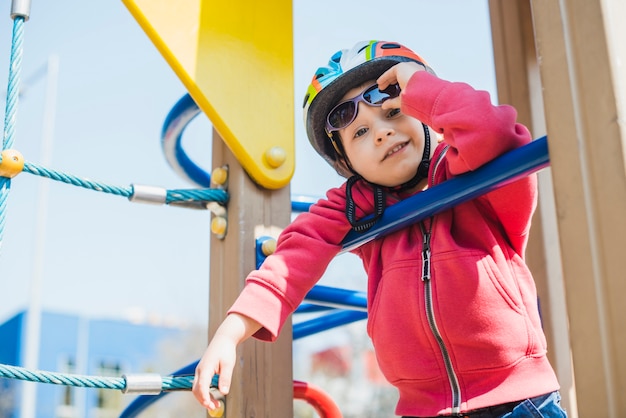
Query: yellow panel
{"points": [[236, 60]]}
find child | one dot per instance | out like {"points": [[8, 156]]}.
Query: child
{"points": [[452, 306]]}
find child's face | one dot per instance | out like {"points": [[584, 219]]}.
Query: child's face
{"points": [[383, 145]]}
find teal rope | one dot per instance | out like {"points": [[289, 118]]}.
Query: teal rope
{"points": [[13, 90], [76, 181], [196, 195], [172, 196], [169, 383], [10, 115], [177, 382]]}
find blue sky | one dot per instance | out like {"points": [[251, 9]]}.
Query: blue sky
{"points": [[106, 257]]}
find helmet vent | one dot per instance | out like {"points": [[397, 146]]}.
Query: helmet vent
{"points": [[390, 46], [306, 99]]}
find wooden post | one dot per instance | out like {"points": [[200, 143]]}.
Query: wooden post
{"points": [[262, 383], [519, 84], [580, 68]]}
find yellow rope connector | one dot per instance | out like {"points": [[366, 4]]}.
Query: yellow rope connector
{"points": [[218, 226], [12, 163], [219, 411], [268, 247], [219, 176]]}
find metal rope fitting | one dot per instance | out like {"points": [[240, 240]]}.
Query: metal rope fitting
{"points": [[144, 384], [20, 8], [148, 194]]}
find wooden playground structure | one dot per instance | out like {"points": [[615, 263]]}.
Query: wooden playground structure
{"points": [[558, 62]]}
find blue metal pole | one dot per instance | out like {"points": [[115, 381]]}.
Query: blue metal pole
{"points": [[335, 297], [505, 169], [326, 322]]}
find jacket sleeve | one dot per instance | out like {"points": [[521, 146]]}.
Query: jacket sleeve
{"points": [[477, 132], [303, 251]]}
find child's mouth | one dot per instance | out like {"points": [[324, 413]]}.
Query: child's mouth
{"points": [[395, 149]]}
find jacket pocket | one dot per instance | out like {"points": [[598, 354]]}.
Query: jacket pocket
{"points": [[398, 328], [480, 309]]}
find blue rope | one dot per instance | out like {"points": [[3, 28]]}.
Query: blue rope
{"points": [[20, 373], [10, 114], [15, 70], [172, 196], [169, 383], [76, 181]]}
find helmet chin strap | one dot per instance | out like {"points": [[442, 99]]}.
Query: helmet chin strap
{"points": [[380, 191]]}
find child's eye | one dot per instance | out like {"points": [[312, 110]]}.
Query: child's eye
{"points": [[360, 132], [393, 112]]}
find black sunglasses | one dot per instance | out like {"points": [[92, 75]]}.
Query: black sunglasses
{"points": [[344, 113]]}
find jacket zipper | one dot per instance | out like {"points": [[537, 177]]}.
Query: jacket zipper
{"points": [[430, 314]]}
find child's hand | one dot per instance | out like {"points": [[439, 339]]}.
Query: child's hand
{"points": [[219, 358], [398, 74]]}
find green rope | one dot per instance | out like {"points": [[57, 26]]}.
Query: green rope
{"points": [[169, 383]]}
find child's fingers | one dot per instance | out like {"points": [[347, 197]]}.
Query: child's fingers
{"points": [[224, 382], [201, 387], [387, 78], [394, 103]]}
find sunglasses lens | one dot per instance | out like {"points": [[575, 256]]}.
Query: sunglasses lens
{"points": [[375, 96], [342, 115]]}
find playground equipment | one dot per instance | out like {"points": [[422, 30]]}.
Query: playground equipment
{"points": [[590, 190]]}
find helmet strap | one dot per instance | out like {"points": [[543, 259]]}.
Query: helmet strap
{"points": [[379, 206]]}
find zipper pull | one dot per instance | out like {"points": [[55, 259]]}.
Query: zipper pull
{"points": [[425, 254]]}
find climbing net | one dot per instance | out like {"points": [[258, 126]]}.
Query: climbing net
{"points": [[12, 163]]}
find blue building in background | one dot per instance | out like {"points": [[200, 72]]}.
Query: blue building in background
{"points": [[96, 347]]}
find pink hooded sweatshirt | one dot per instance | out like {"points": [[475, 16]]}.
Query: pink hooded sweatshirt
{"points": [[453, 311]]}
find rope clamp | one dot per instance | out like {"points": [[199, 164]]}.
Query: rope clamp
{"points": [[12, 163], [20, 8], [148, 194], [144, 384]]}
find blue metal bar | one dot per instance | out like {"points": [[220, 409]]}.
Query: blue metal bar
{"points": [[326, 322], [301, 203], [311, 308], [505, 169], [343, 298]]}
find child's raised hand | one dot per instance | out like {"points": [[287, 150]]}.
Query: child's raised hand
{"points": [[398, 74]]}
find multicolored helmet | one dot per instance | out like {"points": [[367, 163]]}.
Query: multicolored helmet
{"points": [[347, 69]]}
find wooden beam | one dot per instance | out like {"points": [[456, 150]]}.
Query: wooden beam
{"points": [[519, 84], [262, 383], [580, 79]]}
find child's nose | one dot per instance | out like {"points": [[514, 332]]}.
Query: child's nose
{"points": [[383, 134]]}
